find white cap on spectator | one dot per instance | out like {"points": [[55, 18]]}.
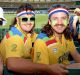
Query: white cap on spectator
{"points": [[2, 15], [76, 10]]}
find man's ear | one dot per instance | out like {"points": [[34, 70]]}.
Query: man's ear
{"points": [[49, 21], [17, 19]]}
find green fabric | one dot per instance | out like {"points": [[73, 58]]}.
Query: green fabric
{"points": [[75, 71], [11, 33], [7, 72], [77, 46], [46, 39]]}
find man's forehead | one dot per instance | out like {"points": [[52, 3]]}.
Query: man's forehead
{"points": [[26, 13], [59, 14]]}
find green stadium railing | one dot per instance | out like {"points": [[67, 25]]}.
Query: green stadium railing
{"points": [[3, 31], [74, 71], [77, 46], [77, 2]]}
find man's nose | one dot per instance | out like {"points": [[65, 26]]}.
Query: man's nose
{"points": [[29, 22], [59, 21]]}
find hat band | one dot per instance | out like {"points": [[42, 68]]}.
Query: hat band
{"points": [[24, 12], [58, 10]]}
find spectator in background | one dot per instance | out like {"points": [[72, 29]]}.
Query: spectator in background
{"points": [[54, 43], [75, 24], [17, 44], [2, 19]]}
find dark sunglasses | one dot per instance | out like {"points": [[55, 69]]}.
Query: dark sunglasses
{"points": [[25, 19]]}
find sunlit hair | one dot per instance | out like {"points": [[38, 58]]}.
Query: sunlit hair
{"points": [[49, 30], [24, 7]]}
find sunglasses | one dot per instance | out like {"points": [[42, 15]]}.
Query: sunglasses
{"points": [[25, 19]]}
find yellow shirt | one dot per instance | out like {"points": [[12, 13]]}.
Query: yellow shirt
{"points": [[51, 50], [16, 44], [33, 37]]}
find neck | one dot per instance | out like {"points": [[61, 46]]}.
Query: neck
{"points": [[59, 36]]}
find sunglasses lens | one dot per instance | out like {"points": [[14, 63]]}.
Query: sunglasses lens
{"points": [[1, 22], [32, 19], [24, 19], [28, 19]]}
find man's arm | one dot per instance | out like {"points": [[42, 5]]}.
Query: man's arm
{"points": [[76, 56], [26, 66], [21, 65]]}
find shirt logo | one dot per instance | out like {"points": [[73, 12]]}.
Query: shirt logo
{"points": [[14, 46], [38, 55], [63, 57], [55, 50]]}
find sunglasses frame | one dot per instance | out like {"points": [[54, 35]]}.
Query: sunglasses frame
{"points": [[26, 19]]}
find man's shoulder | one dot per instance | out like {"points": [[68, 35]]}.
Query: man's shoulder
{"points": [[42, 36], [46, 39], [13, 32]]}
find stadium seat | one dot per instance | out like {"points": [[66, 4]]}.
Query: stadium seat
{"points": [[74, 71], [6, 72], [77, 46], [78, 49], [76, 43]]}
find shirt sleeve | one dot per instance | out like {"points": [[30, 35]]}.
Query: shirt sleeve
{"points": [[40, 52], [13, 47], [71, 46]]}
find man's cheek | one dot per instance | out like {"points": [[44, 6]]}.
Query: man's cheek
{"points": [[53, 22], [65, 22]]}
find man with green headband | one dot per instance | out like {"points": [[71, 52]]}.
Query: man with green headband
{"points": [[54, 43]]}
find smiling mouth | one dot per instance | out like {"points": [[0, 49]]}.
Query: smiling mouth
{"points": [[27, 24], [30, 24], [59, 25]]}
